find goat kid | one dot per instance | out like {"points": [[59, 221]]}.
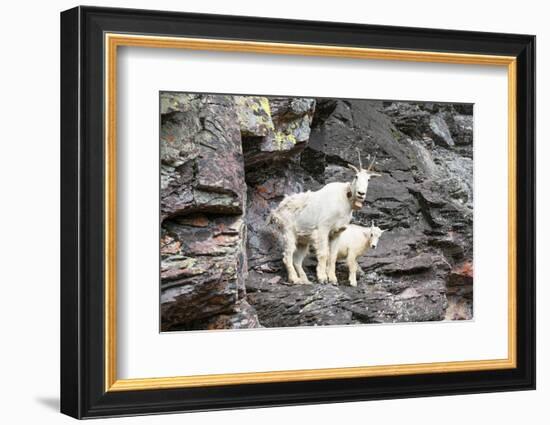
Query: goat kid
{"points": [[310, 218], [350, 244]]}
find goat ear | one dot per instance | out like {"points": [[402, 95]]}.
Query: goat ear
{"points": [[353, 167], [371, 174]]}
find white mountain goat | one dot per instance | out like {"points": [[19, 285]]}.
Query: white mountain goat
{"points": [[351, 244], [311, 217]]}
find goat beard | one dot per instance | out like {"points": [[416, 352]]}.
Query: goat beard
{"points": [[357, 204]]}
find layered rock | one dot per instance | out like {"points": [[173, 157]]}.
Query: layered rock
{"points": [[203, 268], [201, 156], [280, 304], [227, 161], [273, 129], [424, 199], [203, 193]]}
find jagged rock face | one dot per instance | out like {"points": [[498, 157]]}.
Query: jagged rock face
{"points": [[280, 304], [424, 199], [201, 156], [203, 259], [203, 268], [273, 129], [228, 161]]}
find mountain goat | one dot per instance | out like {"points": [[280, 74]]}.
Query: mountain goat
{"points": [[351, 244], [311, 217]]}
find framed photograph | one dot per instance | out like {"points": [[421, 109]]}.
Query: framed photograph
{"points": [[261, 212]]}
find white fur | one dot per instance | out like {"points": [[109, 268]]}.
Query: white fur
{"points": [[351, 244], [311, 217]]}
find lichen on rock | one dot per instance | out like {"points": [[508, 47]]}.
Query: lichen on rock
{"points": [[254, 115], [227, 161]]}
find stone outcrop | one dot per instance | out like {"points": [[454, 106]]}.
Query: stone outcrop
{"points": [[273, 129], [280, 304], [203, 267], [201, 156], [227, 161], [203, 192]]}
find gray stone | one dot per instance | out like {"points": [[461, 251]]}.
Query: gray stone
{"points": [[440, 131], [274, 129], [203, 270], [227, 161], [201, 156]]}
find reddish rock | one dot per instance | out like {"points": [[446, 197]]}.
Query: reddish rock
{"points": [[205, 276], [460, 292], [461, 279], [420, 271], [241, 316], [201, 156], [196, 220]]}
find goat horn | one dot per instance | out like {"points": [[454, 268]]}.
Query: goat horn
{"points": [[359, 156], [353, 167], [372, 163]]}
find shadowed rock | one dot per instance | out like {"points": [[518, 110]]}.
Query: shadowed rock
{"points": [[273, 129], [227, 161]]}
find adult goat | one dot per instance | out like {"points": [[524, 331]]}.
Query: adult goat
{"points": [[310, 218]]}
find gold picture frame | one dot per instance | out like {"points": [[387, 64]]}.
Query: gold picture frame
{"points": [[114, 41]]}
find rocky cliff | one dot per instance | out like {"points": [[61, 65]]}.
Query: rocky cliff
{"points": [[226, 161]]}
